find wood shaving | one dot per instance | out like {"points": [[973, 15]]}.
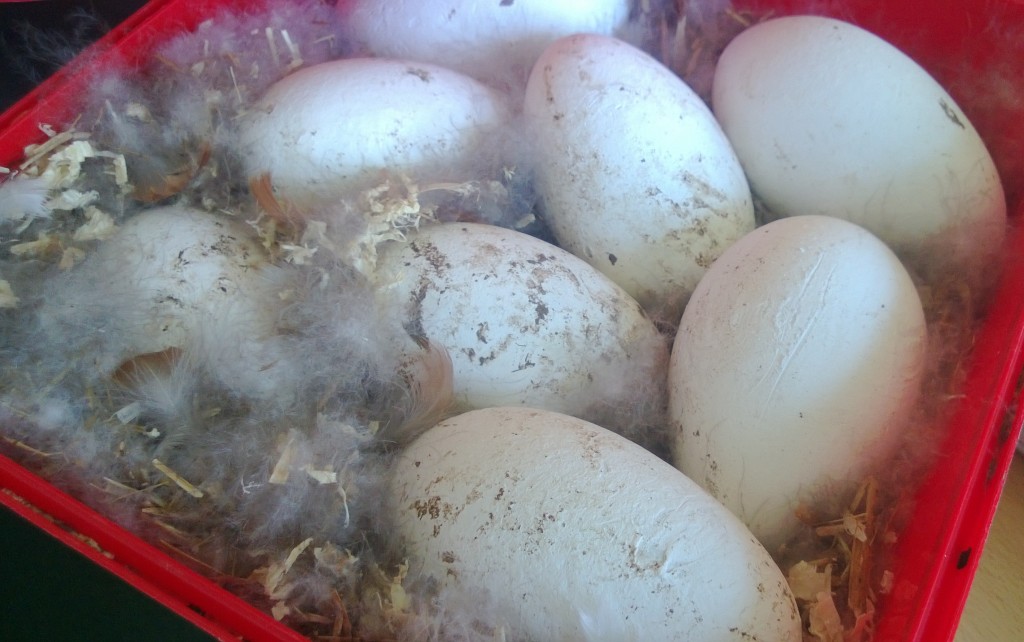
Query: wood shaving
{"points": [[321, 476], [8, 300], [342, 627], [116, 487], [525, 221], [129, 413], [45, 245], [64, 166], [93, 544], [886, 583], [807, 581], [269, 32], [850, 544], [391, 210], [825, 623], [118, 170], [282, 469], [71, 257], [280, 610], [139, 112], [176, 532], [71, 199], [398, 597], [274, 582], [330, 557], [297, 254], [17, 443], [293, 50], [180, 481], [98, 226], [36, 153]]}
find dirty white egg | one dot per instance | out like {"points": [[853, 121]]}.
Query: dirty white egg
{"points": [[172, 277], [341, 125], [797, 361], [525, 323], [634, 174], [829, 119], [485, 38], [552, 528]]}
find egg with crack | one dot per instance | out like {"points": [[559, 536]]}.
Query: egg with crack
{"points": [[795, 368]]}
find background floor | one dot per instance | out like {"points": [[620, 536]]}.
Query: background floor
{"points": [[995, 607]]}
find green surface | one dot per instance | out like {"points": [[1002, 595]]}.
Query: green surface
{"points": [[51, 592]]}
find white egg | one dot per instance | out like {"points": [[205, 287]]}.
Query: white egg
{"points": [[634, 174], [525, 323], [552, 528], [340, 125], [796, 364], [484, 38], [829, 119], [174, 277]]}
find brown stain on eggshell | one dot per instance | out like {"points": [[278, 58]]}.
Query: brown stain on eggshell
{"points": [[523, 322], [438, 269], [437, 510], [526, 532], [420, 73]]}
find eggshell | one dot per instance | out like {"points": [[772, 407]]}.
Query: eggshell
{"points": [[795, 366], [525, 323], [829, 119], [635, 175], [339, 125], [173, 277], [483, 38], [552, 528]]}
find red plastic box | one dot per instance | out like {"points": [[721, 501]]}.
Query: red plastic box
{"points": [[937, 554]]}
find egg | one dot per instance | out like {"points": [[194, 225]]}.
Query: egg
{"points": [[796, 365], [830, 119], [487, 39], [339, 126], [173, 278], [525, 323], [547, 527], [634, 174]]}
